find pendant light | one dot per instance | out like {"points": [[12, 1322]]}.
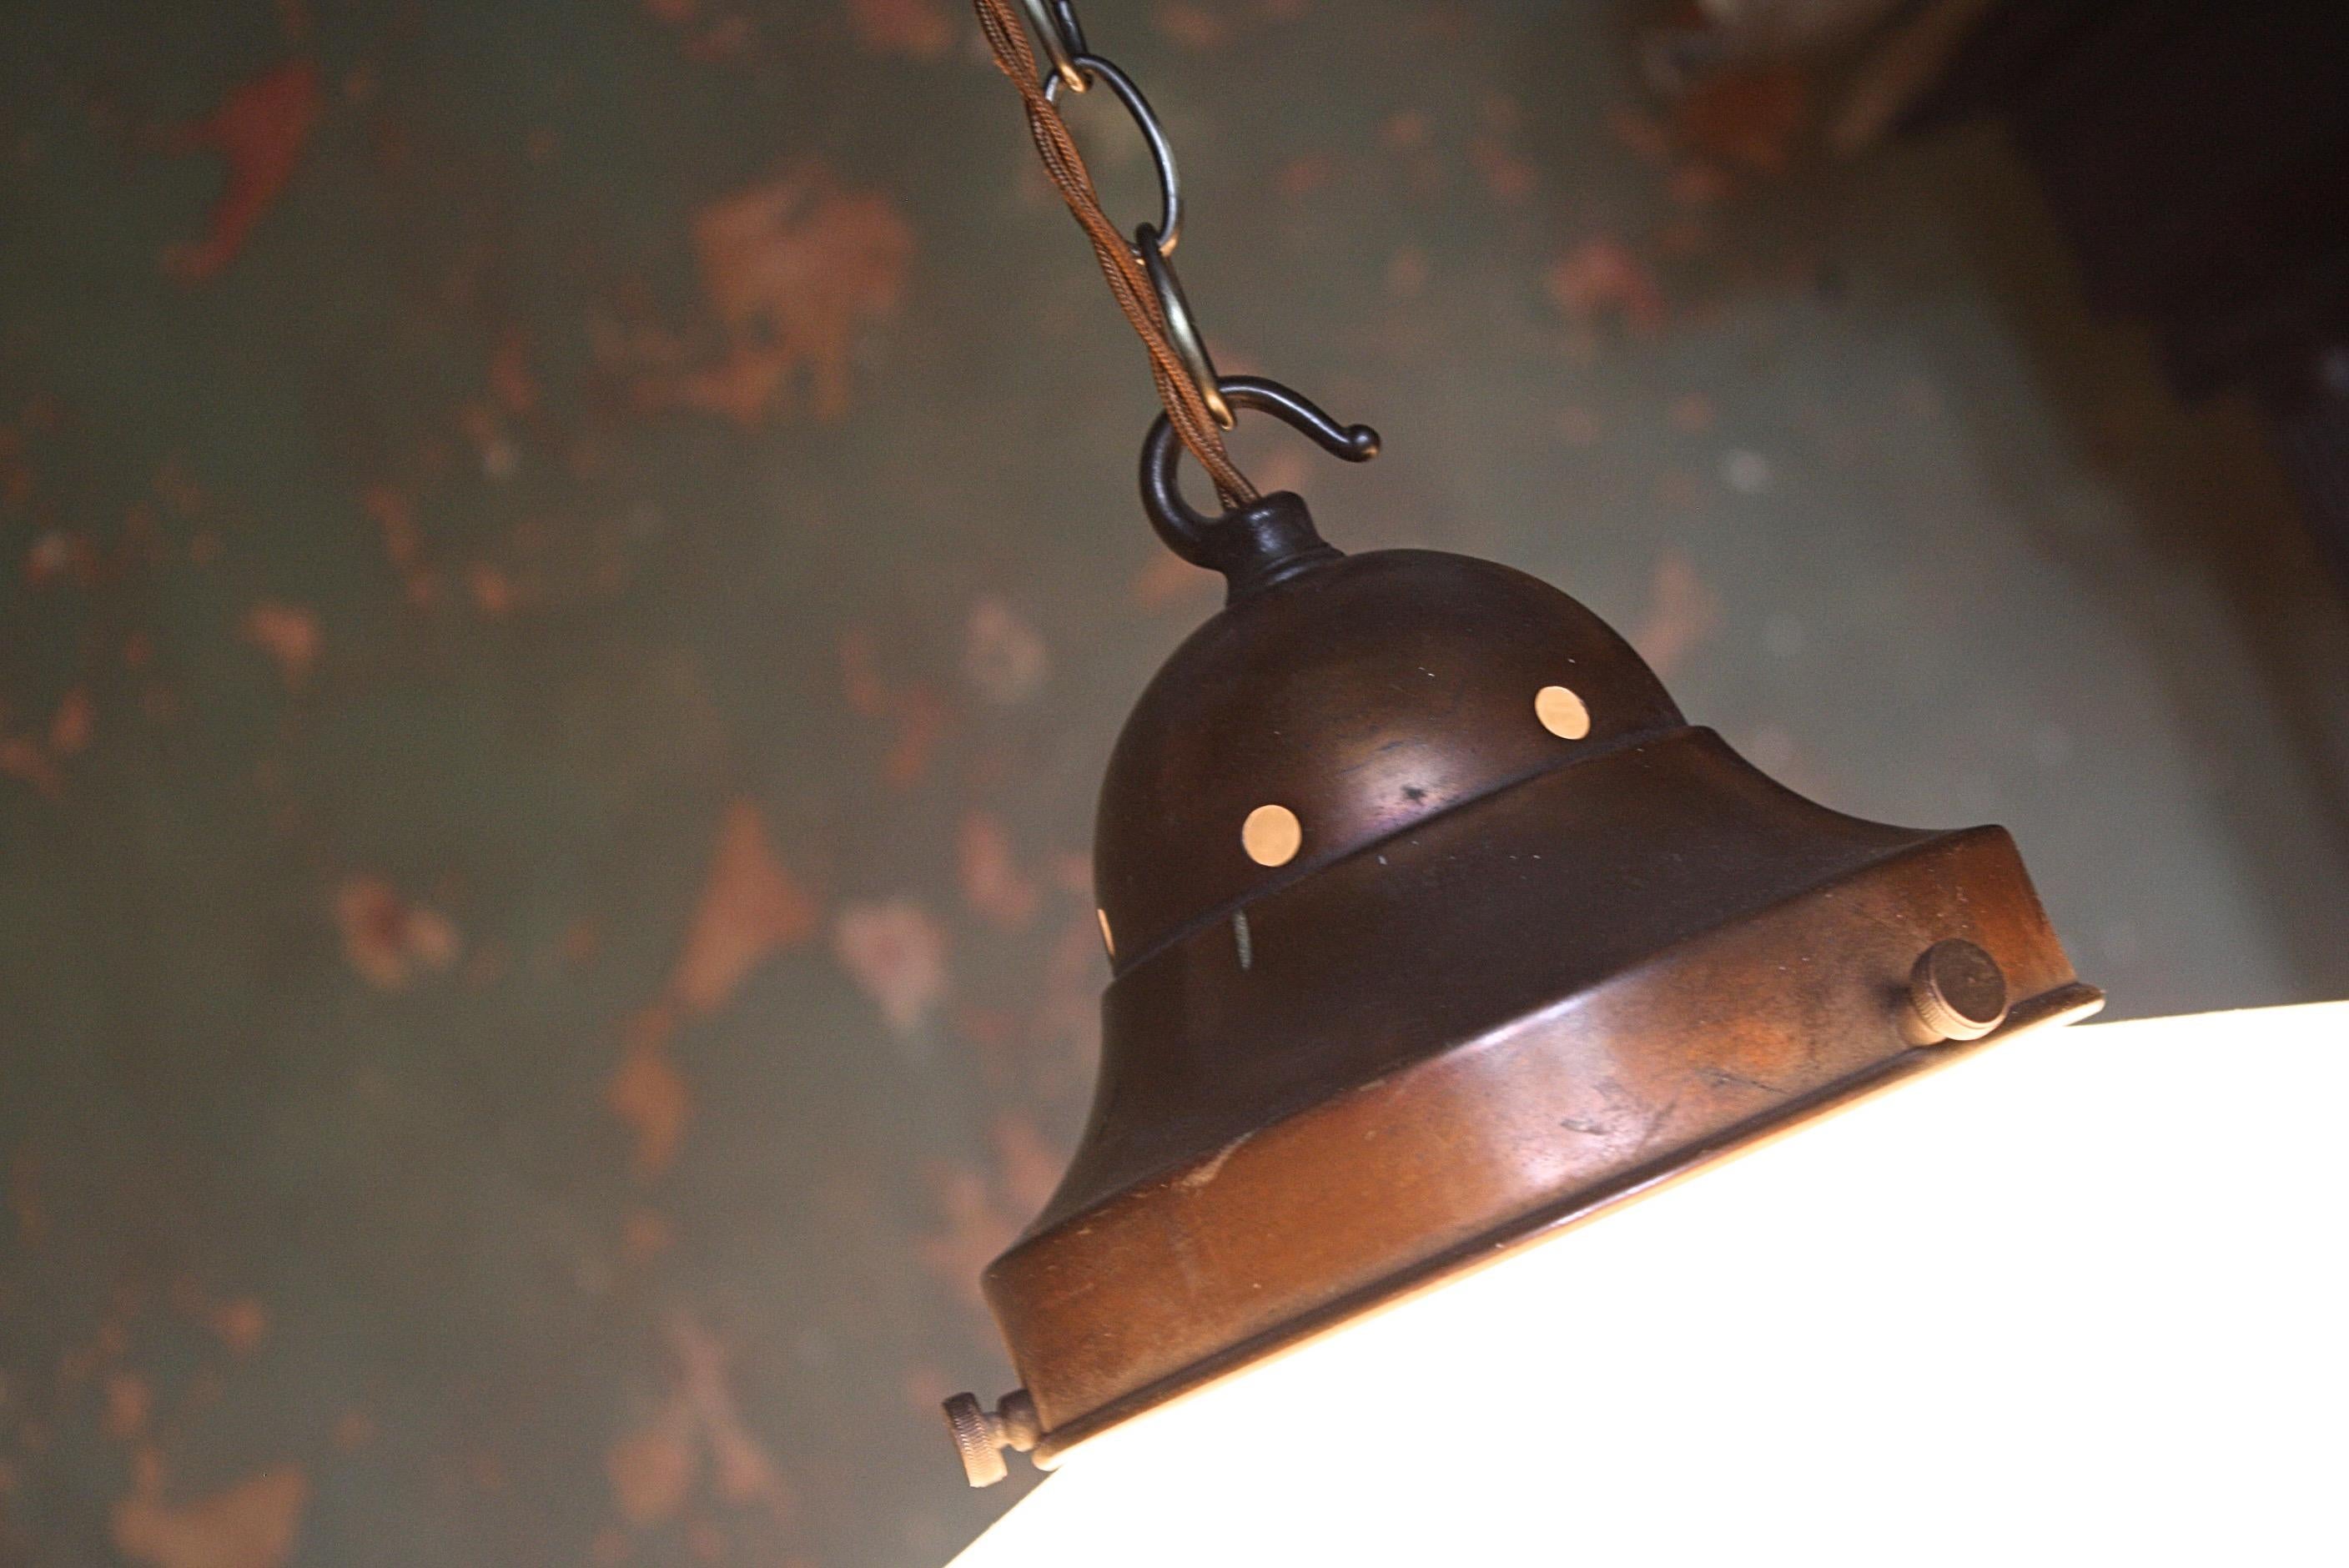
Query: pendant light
{"points": [[1434, 926]]}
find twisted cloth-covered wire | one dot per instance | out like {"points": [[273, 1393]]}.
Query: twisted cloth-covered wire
{"points": [[1186, 410]]}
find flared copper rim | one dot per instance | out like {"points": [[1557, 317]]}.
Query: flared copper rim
{"points": [[2067, 1004]]}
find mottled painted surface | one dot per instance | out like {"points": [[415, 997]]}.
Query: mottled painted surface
{"points": [[567, 571]]}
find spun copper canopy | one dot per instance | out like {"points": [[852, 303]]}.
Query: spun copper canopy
{"points": [[1535, 945]]}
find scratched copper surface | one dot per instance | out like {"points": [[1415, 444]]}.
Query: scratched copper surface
{"points": [[567, 574]]}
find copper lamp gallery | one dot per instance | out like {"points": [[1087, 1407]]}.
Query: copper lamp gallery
{"points": [[1434, 929]]}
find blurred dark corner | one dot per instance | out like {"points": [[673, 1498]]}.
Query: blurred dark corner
{"points": [[568, 569], [2193, 159], [2196, 157]]}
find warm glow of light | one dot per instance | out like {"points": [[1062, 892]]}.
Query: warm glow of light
{"points": [[2082, 1297]]}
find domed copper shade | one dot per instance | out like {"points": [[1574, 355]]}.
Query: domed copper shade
{"points": [[1529, 954]]}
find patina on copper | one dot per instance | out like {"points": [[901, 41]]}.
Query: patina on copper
{"points": [[1507, 979]]}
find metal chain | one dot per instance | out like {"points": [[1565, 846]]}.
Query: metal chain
{"points": [[1141, 274]]}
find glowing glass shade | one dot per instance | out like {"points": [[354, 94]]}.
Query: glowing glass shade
{"points": [[2080, 1298]]}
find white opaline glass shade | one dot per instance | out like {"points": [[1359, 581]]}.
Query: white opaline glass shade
{"points": [[2082, 1297]]}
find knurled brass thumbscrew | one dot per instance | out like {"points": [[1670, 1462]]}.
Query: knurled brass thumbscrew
{"points": [[1956, 992], [982, 1435]]}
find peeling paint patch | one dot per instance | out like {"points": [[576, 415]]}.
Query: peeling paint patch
{"points": [[1003, 657], [978, 1228], [916, 713], [289, 635], [70, 726], [1682, 612], [1190, 26], [23, 757], [1751, 118], [242, 1324], [252, 1525], [649, 1094], [389, 941], [493, 590], [403, 546], [655, 1469], [744, 1471], [922, 29], [645, 1234], [1168, 581], [793, 269], [896, 955], [1601, 279], [1029, 1169], [651, 1470], [129, 1403], [260, 130], [55, 555], [992, 883], [1068, 1016], [750, 908]]}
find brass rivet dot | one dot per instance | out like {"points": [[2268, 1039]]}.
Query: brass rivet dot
{"points": [[1109, 943], [1561, 713], [1272, 835]]}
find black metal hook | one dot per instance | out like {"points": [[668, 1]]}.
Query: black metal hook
{"points": [[1259, 544]]}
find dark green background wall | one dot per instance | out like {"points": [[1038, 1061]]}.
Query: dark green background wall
{"points": [[567, 571]]}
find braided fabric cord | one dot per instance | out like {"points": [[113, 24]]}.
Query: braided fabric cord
{"points": [[1007, 38]]}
